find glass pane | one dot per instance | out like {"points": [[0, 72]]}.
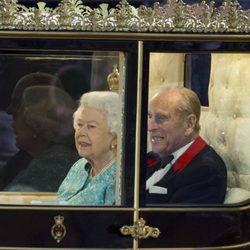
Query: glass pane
{"points": [[41, 142], [209, 155]]}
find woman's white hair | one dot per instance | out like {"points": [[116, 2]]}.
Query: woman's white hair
{"points": [[48, 111], [104, 101]]}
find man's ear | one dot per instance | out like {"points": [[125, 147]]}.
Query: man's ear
{"points": [[191, 121]]}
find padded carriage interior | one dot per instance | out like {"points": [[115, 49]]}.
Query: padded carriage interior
{"points": [[226, 123]]}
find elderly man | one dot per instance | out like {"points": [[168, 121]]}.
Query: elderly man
{"points": [[182, 168]]}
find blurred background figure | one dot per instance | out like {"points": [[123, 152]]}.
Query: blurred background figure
{"points": [[17, 159], [22, 158], [43, 128], [7, 139]]}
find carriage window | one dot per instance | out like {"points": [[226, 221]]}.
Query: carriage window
{"points": [[220, 83], [61, 128]]}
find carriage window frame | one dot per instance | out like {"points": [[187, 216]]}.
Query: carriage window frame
{"points": [[136, 28], [118, 31], [56, 52]]}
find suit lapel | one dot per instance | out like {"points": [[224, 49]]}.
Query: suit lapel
{"points": [[189, 154]]}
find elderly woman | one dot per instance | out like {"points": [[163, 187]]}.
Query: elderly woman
{"points": [[44, 129], [91, 180]]}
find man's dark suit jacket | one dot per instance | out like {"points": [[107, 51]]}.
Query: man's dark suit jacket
{"points": [[203, 180]]}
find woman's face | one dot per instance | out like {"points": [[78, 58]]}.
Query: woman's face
{"points": [[92, 136]]}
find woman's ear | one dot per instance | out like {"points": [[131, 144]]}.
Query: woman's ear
{"points": [[191, 121], [113, 142]]}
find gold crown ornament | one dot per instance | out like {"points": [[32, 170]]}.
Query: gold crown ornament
{"points": [[113, 79]]}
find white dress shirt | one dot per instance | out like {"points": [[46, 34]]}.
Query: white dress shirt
{"points": [[159, 174]]}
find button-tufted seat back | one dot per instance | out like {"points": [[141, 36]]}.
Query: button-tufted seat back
{"points": [[226, 126]]}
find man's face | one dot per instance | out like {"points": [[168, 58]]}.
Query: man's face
{"points": [[166, 126]]}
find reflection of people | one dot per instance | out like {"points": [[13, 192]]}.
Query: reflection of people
{"points": [[7, 139], [44, 129], [189, 170], [91, 180], [21, 159]]}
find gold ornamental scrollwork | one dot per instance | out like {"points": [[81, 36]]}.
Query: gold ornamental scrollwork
{"points": [[140, 231], [58, 230], [168, 17]]}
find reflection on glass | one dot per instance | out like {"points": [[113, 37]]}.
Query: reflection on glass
{"points": [[41, 98], [43, 128], [196, 174]]}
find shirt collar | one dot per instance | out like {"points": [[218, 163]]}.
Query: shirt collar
{"points": [[180, 151]]}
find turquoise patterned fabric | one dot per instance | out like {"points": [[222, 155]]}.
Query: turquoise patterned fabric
{"points": [[77, 189]]}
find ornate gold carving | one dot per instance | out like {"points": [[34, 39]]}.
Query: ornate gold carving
{"points": [[173, 16], [58, 230], [113, 79], [140, 231]]}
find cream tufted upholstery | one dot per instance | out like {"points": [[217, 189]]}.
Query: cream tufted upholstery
{"points": [[226, 125], [165, 69]]}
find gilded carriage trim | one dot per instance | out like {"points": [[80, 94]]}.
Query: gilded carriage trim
{"points": [[58, 230], [140, 230], [173, 16], [137, 147], [229, 247], [222, 208], [69, 208], [177, 208], [123, 36]]}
